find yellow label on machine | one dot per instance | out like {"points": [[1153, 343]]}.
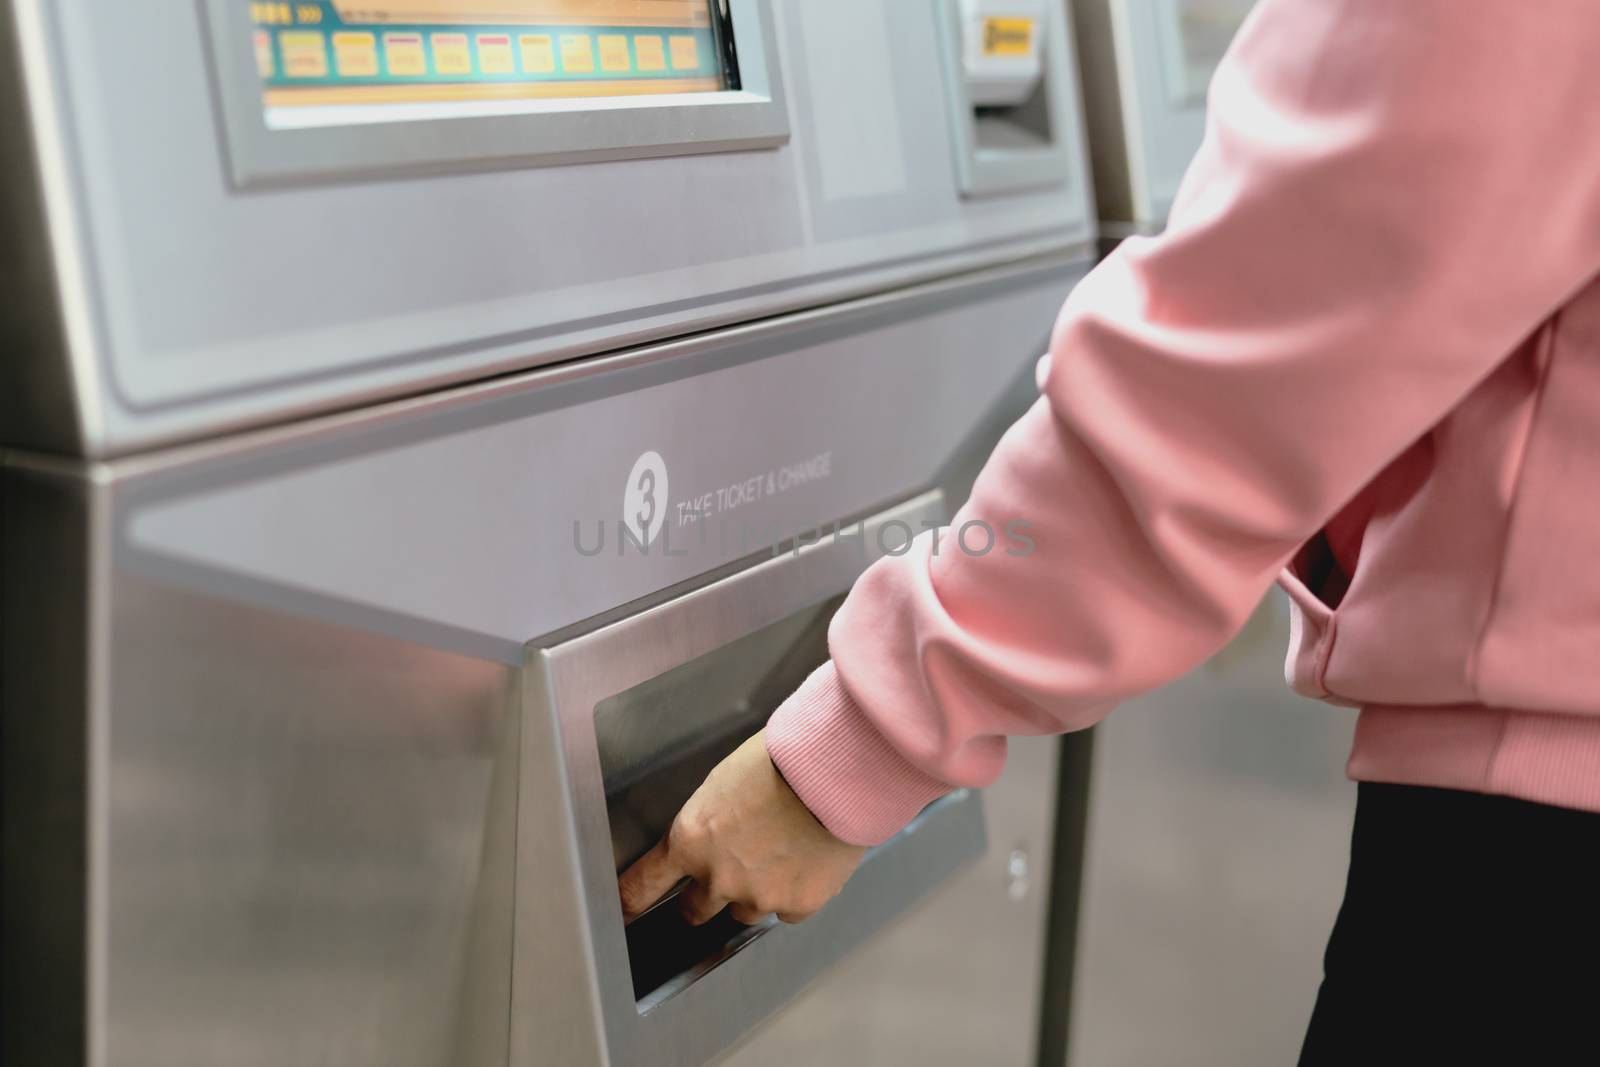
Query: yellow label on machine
{"points": [[1007, 37]]}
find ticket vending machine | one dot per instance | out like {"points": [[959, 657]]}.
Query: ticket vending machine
{"points": [[1147, 65], [436, 431]]}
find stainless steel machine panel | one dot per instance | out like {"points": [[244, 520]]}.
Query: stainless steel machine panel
{"points": [[530, 481], [332, 807], [191, 299], [1147, 65]]}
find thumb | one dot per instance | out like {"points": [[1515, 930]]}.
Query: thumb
{"points": [[648, 880]]}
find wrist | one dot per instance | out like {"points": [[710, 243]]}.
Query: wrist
{"points": [[829, 752]]}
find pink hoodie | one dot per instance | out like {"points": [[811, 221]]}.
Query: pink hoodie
{"points": [[1367, 348]]}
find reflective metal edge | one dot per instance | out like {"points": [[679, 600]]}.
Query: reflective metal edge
{"points": [[1037, 270], [47, 194], [59, 513], [572, 996], [44, 608]]}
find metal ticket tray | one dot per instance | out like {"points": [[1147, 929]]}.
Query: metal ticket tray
{"points": [[212, 232], [640, 709]]}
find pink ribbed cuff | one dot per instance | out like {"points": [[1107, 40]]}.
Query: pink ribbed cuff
{"points": [[841, 767], [1539, 756]]}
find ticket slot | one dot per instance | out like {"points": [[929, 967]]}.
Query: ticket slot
{"points": [[1010, 94], [659, 740], [665, 952], [636, 707]]}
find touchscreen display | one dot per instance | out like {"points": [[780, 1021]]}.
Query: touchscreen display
{"points": [[324, 54]]}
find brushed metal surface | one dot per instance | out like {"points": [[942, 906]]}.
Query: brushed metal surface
{"points": [[308, 841], [514, 469], [299, 822]]}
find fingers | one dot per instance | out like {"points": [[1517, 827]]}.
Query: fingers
{"points": [[699, 905], [648, 880], [747, 915]]}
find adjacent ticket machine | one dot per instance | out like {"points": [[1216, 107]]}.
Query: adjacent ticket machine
{"points": [[1147, 65], [436, 431]]}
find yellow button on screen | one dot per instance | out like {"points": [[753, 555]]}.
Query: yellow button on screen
{"points": [[614, 53], [650, 53], [538, 55], [451, 55], [356, 54], [494, 54], [685, 53], [404, 54], [305, 55], [577, 54]]}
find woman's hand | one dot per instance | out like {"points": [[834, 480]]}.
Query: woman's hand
{"points": [[748, 843]]}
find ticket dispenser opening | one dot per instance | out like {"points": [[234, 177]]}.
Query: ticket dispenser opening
{"points": [[659, 740], [622, 719], [1010, 92]]}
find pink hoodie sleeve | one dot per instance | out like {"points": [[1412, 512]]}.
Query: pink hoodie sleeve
{"points": [[1390, 197]]}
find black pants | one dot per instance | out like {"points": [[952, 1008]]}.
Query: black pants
{"points": [[1470, 933]]}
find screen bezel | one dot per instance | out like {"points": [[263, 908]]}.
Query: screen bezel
{"points": [[532, 133]]}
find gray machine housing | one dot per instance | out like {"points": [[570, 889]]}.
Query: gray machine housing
{"points": [[189, 302], [1145, 112], [297, 480]]}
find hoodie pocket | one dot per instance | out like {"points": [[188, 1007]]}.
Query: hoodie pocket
{"points": [[1313, 620]]}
